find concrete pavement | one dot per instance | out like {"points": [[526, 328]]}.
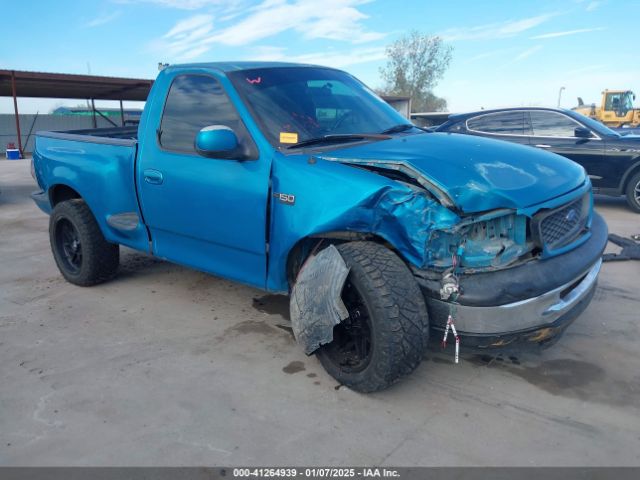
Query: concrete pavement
{"points": [[169, 366]]}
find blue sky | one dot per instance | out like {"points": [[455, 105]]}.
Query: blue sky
{"points": [[505, 52]]}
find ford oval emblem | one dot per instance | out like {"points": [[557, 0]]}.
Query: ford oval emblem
{"points": [[571, 216]]}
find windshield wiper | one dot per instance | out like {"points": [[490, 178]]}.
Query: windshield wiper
{"points": [[403, 127], [337, 138]]}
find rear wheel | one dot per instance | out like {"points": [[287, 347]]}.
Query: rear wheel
{"points": [[633, 193], [80, 250], [384, 337]]}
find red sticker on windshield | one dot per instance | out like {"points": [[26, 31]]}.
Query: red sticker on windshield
{"points": [[254, 81]]}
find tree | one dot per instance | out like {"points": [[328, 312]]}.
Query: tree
{"points": [[415, 64]]}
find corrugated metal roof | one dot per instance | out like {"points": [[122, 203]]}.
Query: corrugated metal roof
{"points": [[62, 85]]}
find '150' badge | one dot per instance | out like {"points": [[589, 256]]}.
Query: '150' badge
{"points": [[285, 198]]}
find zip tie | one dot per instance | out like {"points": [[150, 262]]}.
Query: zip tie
{"points": [[453, 293], [455, 334]]}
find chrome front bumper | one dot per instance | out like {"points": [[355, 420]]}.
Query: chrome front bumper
{"points": [[531, 313]]}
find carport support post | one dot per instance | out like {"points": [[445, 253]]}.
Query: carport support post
{"points": [[93, 111], [121, 113], [15, 109]]}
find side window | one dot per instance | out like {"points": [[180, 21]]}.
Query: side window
{"points": [[507, 123], [551, 124], [195, 102]]}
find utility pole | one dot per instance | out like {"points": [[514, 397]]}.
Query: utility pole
{"points": [[560, 95], [89, 73], [15, 110]]}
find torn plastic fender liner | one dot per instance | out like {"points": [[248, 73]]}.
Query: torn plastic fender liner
{"points": [[315, 304]]}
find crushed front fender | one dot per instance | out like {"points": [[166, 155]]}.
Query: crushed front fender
{"points": [[332, 197]]}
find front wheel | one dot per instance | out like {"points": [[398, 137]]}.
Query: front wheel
{"points": [[385, 335], [633, 193], [80, 250]]}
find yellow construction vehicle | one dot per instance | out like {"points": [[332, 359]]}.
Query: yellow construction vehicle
{"points": [[615, 110]]}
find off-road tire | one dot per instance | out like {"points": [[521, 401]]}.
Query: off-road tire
{"points": [[99, 259], [399, 325], [633, 193]]}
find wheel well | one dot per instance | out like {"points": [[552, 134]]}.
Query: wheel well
{"points": [[308, 245], [629, 176], [60, 193]]}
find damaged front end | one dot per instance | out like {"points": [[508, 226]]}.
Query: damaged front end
{"points": [[435, 228], [515, 269], [490, 241]]}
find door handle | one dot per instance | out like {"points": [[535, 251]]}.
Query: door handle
{"points": [[543, 145], [154, 177]]}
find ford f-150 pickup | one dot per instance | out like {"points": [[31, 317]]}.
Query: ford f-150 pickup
{"points": [[299, 180]]}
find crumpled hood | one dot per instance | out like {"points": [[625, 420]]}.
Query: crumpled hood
{"points": [[476, 173]]}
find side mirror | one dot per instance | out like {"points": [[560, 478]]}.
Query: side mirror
{"points": [[217, 141], [582, 132]]}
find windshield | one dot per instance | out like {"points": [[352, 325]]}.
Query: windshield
{"points": [[296, 104]]}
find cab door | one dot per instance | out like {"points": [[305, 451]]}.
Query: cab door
{"points": [[207, 213]]}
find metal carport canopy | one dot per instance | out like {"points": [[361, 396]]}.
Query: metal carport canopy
{"points": [[62, 85], [19, 83]]}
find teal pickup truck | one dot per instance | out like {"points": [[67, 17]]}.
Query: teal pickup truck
{"points": [[299, 180]]}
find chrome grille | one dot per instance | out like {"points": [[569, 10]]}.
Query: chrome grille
{"points": [[561, 226]]}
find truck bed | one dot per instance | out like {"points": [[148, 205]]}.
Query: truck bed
{"points": [[99, 165], [110, 136]]}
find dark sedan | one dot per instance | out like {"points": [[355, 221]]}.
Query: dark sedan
{"points": [[611, 160]]}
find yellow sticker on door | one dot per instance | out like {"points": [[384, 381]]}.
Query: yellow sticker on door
{"points": [[288, 137]]}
